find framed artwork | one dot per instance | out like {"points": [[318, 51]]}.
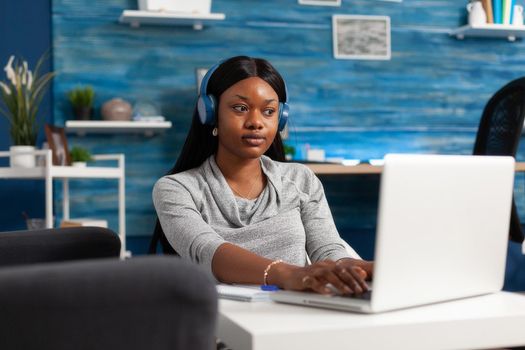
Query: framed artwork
{"points": [[358, 37], [320, 2], [56, 138], [199, 75]]}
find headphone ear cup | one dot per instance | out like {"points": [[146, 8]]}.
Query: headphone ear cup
{"points": [[206, 109], [284, 109]]}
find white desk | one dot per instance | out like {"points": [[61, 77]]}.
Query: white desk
{"points": [[364, 168], [488, 321], [48, 172]]}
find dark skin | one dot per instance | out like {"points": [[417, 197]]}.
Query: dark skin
{"points": [[248, 122]]}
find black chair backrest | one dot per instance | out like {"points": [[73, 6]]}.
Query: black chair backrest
{"points": [[57, 244], [499, 133], [502, 121]]}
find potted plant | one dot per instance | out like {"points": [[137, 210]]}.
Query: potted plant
{"points": [[80, 156], [81, 99], [22, 94], [289, 152]]}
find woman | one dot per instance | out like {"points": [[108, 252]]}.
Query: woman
{"points": [[234, 206]]}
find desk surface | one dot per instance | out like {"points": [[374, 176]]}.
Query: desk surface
{"points": [[488, 321], [363, 168]]}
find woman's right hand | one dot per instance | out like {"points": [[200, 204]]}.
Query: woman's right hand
{"points": [[347, 276]]}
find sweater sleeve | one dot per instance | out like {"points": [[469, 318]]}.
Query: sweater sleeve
{"points": [[322, 239], [191, 237]]}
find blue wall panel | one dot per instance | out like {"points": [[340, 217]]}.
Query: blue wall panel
{"points": [[427, 99], [25, 31]]}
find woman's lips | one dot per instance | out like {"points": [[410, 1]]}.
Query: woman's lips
{"points": [[253, 140]]}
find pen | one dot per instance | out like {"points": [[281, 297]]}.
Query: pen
{"points": [[269, 288]]}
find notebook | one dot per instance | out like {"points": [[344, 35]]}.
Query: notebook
{"points": [[442, 231], [242, 293]]}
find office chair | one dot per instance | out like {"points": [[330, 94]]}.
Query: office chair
{"points": [[499, 133], [67, 289]]}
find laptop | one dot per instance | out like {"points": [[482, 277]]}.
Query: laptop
{"points": [[442, 232]]}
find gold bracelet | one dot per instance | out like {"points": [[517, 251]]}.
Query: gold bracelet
{"points": [[267, 269]]}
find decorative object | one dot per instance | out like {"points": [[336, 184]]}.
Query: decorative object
{"points": [[21, 94], [146, 110], [79, 157], [476, 13], [315, 155], [182, 6], [199, 75], [289, 152], [361, 37], [56, 138], [517, 17], [116, 109], [321, 2], [81, 99], [22, 156]]}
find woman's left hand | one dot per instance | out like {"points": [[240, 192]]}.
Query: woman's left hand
{"points": [[354, 272]]}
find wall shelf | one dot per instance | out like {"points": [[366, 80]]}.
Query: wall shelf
{"points": [[137, 18], [82, 127], [511, 32]]}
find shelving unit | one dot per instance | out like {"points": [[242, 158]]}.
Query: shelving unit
{"points": [[82, 127], [511, 32], [49, 172], [137, 18]]}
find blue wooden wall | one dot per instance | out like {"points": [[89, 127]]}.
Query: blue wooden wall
{"points": [[25, 31], [427, 99]]}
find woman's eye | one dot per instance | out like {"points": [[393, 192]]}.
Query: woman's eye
{"points": [[269, 112], [240, 108]]}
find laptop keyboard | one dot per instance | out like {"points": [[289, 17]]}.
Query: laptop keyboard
{"points": [[364, 296]]}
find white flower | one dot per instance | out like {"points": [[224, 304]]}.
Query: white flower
{"points": [[23, 73], [6, 88], [9, 71], [29, 79]]}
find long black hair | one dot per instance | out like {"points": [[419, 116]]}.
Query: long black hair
{"points": [[200, 144]]}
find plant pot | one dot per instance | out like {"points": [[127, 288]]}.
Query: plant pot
{"points": [[21, 157], [79, 164], [83, 113]]}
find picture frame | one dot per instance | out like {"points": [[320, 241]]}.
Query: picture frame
{"points": [[199, 75], [320, 2], [56, 138], [360, 37]]}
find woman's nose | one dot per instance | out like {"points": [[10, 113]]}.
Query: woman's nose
{"points": [[254, 120]]}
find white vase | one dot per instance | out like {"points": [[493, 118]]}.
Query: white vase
{"points": [[21, 156], [517, 19], [79, 164], [476, 13]]}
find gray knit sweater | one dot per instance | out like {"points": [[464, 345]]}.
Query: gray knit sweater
{"points": [[290, 219]]}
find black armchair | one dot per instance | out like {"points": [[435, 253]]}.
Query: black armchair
{"points": [[49, 301], [499, 133]]}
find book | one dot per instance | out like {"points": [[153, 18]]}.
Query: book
{"points": [[487, 6], [84, 222], [242, 293], [496, 5], [506, 12]]}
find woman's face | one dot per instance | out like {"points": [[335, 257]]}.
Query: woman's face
{"points": [[247, 118]]}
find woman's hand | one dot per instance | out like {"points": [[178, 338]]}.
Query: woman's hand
{"points": [[347, 276]]}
